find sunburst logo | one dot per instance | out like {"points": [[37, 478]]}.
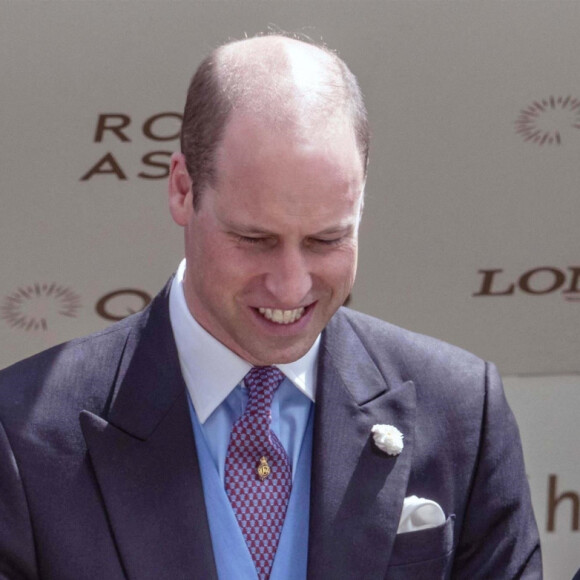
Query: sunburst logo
{"points": [[546, 121], [35, 307]]}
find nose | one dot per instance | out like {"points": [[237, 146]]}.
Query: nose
{"points": [[289, 279]]}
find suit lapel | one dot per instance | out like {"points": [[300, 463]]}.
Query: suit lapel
{"points": [[145, 460], [357, 491]]}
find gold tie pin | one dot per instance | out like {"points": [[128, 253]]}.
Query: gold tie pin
{"points": [[263, 469]]}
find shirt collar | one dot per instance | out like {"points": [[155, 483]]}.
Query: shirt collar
{"points": [[211, 370]]}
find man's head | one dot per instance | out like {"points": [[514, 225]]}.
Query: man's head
{"points": [[226, 80], [269, 191]]}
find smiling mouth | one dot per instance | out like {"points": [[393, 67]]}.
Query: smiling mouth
{"points": [[281, 316]]}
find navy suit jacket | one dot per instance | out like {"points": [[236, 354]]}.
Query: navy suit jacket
{"points": [[99, 477]]}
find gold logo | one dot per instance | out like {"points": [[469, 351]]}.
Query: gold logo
{"points": [[33, 307], [545, 121]]}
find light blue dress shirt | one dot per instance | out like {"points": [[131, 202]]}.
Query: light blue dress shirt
{"points": [[213, 375]]}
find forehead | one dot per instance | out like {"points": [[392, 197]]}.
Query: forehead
{"points": [[261, 149], [288, 169]]}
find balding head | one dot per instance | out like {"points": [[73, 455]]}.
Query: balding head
{"points": [[282, 80], [286, 83]]}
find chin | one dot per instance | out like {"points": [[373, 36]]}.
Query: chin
{"points": [[275, 357]]}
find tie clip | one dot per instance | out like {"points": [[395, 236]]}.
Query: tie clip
{"points": [[263, 469]]}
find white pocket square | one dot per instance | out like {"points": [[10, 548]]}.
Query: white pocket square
{"points": [[419, 514]]}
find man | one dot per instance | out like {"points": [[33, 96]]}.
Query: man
{"points": [[226, 431]]}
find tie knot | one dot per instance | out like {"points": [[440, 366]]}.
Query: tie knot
{"points": [[261, 383]]}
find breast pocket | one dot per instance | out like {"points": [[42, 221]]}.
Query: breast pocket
{"points": [[423, 555]]}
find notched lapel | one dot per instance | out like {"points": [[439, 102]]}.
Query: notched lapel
{"points": [[357, 490], [153, 496], [145, 460]]}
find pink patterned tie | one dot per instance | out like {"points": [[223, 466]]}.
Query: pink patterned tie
{"points": [[258, 478]]}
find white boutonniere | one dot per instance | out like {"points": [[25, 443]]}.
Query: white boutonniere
{"points": [[388, 439]]}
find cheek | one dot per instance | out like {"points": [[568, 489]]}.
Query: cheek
{"points": [[340, 271], [231, 270]]}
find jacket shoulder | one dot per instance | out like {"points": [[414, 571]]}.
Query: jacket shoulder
{"points": [[425, 360], [66, 375], [377, 334]]}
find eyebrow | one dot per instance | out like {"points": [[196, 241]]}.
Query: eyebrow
{"points": [[340, 229], [246, 229], [255, 230]]}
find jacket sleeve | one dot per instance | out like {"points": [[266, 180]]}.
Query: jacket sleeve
{"points": [[17, 557], [499, 537]]}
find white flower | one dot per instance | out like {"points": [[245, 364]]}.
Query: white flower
{"points": [[388, 439]]}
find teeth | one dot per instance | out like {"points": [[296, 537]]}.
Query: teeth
{"points": [[282, 316]]}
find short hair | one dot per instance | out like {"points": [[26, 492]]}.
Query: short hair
{"points": [[210, 102]]}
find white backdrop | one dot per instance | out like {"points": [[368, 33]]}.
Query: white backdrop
{"points": [[547, 412], [470, 232]]}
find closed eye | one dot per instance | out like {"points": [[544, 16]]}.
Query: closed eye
{"points": [[327, 242], [251, 240]]}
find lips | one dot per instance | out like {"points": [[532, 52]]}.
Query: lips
{"points": [[282, 316]]}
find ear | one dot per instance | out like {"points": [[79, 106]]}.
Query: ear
{"points": [[180, 194]]}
